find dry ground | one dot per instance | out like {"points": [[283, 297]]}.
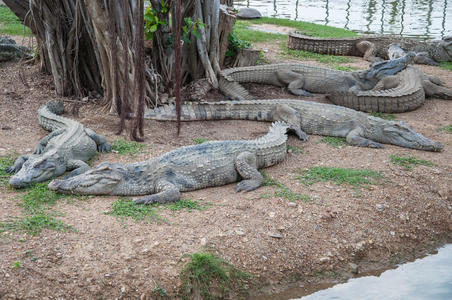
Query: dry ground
{"points": [[276, 240]]}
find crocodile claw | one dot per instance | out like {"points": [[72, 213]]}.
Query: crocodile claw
{"points": [[39, 149], [11, 170], [105, 147], [246, 186]]}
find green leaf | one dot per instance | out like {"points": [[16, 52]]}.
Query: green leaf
{"points": [[153, 28]]}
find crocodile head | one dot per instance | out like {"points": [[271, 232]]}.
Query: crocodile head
{"points": [[105, 179], [38, 168], [446, 44], [400, 134]]}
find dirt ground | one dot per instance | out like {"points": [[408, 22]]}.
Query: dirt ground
{"points": [[283, 243]]}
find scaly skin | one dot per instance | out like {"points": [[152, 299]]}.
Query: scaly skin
{"points": [[372, 90], [184, 169], [303, 117], [68, 147], [303, 79], [371, 47]]}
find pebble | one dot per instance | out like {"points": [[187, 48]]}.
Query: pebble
{"points": [[392, 233], [353, 268], [271, 214], [275, 235], [203, 241], [380, 207], [324, 259], [292, 204]]}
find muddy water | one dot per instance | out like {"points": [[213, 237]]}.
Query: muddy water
{"points": [[429, 278], [415, 18]]}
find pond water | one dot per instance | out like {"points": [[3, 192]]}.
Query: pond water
{"points": [[414, 18], [428, 278]]}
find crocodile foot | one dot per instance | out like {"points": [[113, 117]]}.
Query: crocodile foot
{"points": [[104, 147], [247, 185]]}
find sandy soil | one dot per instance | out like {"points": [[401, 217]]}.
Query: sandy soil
{"points": [[406, 216]]}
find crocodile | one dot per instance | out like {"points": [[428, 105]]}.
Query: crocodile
{"points": [[187, 168], [9, 50], [306, 117], [371, 47], [68, 147], [374, 89]]}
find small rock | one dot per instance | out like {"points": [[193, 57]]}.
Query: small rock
{"points": [[292, 204], [353, 268], [271, 214], [380, 207], [107, 275], [392, 233], [203, 241], [239, 232], [275, 235], [324, 259]]}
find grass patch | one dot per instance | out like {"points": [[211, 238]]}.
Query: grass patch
{"points": [[269, 181], [200, 140], [295, 149], [332, 60], [125, 208], [286, 193], [187, 204], [447, 129], [33, 224], [340, 176], [344, 68], [383, 115], [243, 32], [5, 162], [212, 277], [38, 198], [334, 141], [123, 147], [306, 27], [409, 161], [10, 23], [446, 65]]}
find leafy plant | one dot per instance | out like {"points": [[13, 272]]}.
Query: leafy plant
{"points": [[125, 208], [192, 27], [382, 115], [33, 224], [334, 141], [409, 162], [290, 195], [235, 44], [152, 21], [354, 177], [447, 129], [186, 204], [200, 140], [213, 277], [122, 147]]}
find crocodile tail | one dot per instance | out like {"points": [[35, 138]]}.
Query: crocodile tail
{"points": [[277, 135], [49, 118], [223, 110]]}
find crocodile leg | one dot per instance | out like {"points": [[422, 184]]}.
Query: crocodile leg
{"points": [[101, 141], [294, 82], [355, 138], [77, 166], [246, 166], [433, 89], [166, 192], [368, 49], [43, 142], [423, 59], [17, 164], [291, 117]]}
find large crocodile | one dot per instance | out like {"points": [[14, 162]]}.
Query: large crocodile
{"points": [[68, 147], [370, 46], [374, 89], [10, 50], [184, 169], [303, 117]]}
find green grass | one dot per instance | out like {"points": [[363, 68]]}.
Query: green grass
{"points": [[295, 149], [10, 23], [125, 208], [409, 161], [5, 162], [39, 198], [446, 65], [446, 129], [123, 147], [332, 60], [187, 204], [306, 27], [382, 115], [286, 193], [212, 277], [33, 224], [200, 140], [242, 32], [355, 177], [334, 141], [269, 181], [16, 265]]}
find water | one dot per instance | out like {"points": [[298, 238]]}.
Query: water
{"points": [[413, 18]]}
